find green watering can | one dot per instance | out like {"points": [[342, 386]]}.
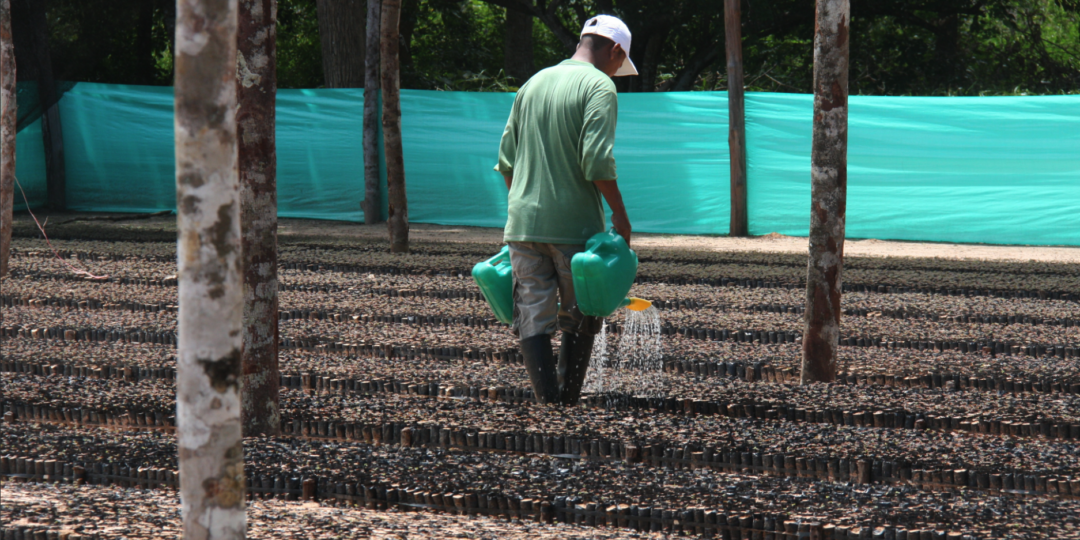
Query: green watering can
{"points": [[496, 281], [603, 274]]}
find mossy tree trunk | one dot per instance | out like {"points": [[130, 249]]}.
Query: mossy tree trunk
{"points": [[256, 78], [397, 207], [828, 194], [9, 112]]}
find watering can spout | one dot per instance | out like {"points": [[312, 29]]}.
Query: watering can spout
{"points": [[636, 304]]}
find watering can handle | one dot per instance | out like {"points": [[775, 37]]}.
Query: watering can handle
{"points": [[500, 257]]}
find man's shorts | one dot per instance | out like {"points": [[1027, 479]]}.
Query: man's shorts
{"points": [[542, 280]]}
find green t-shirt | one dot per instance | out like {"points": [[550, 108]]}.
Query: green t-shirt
{"points": [[558, 140]]}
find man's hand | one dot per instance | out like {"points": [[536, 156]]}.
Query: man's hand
{"points": [[610, 190]]}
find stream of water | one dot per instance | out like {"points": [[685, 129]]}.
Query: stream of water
{"points": [[635, 367]]}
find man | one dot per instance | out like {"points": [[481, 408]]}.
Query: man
{"points": [[556, 158]]}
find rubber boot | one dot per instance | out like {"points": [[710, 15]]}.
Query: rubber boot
{"points": [[540, 365], [574, 355]]}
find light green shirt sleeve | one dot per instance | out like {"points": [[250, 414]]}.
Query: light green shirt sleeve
{"points": [[598, 134], [509, 142]]}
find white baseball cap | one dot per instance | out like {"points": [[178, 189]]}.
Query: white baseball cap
{"points": [[615, 30]]}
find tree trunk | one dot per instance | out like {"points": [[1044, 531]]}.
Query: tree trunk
{"points": [[684, 81], [518, 46], [209, 260], [256, 78], [342, 42], [36, 31], [372, 177], [398, 211], [736, 117], [828, 175], [548, 13], [9, 113], [144, 44], [408, 16], [649, 62]]}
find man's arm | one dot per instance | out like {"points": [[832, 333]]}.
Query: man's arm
{"points": [[610, 190], [508, 178]]}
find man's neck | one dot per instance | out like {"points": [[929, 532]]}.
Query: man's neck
{"points": [[584, 54]]}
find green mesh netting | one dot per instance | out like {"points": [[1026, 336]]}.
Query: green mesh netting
{"points": [[999, 170], [994, 170]]}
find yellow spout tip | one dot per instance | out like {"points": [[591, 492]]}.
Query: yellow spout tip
{"points": [[638, 304]]}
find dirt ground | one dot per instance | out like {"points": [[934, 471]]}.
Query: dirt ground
{"points": [[112, 512], [775, 243]]}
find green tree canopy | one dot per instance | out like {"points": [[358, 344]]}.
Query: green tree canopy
{"points": [[898, 47]]}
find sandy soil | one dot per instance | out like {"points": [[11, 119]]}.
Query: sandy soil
{"points": [[770, 243], [113, 512]]}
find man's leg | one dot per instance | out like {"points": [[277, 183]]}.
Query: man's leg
{"points": [[579, 331], [535, 316]]}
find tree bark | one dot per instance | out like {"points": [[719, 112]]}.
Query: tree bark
{"points": [[210, 321], [649, 62], [548, 13], [736, 117], [518, 46], [342, 42], [256, 78], [828, 175], [684, 81], [397, 206], [372, 206], [9, 113]]}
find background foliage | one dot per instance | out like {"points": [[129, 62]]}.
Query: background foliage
{"points": [[898, 47]]}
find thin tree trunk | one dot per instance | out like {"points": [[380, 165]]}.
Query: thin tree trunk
{"points": [[144, 45], [547, 13], [340, 24], [372, 206], [828, 175], [256, 78], [736, 117], [36, 30], [398, 211], [209, 260], [408, 16], [649, 62], [9, 113], [518, 45]]}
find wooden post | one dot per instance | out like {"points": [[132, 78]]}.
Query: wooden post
{"points": [[35, 28], [210, 321], [398, 210], [736, 117], [828, 175], [9, 113], [372, 177], [256, 78]]}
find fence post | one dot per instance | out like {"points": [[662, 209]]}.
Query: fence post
{"points": [[372, 119], [736, 117]]}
